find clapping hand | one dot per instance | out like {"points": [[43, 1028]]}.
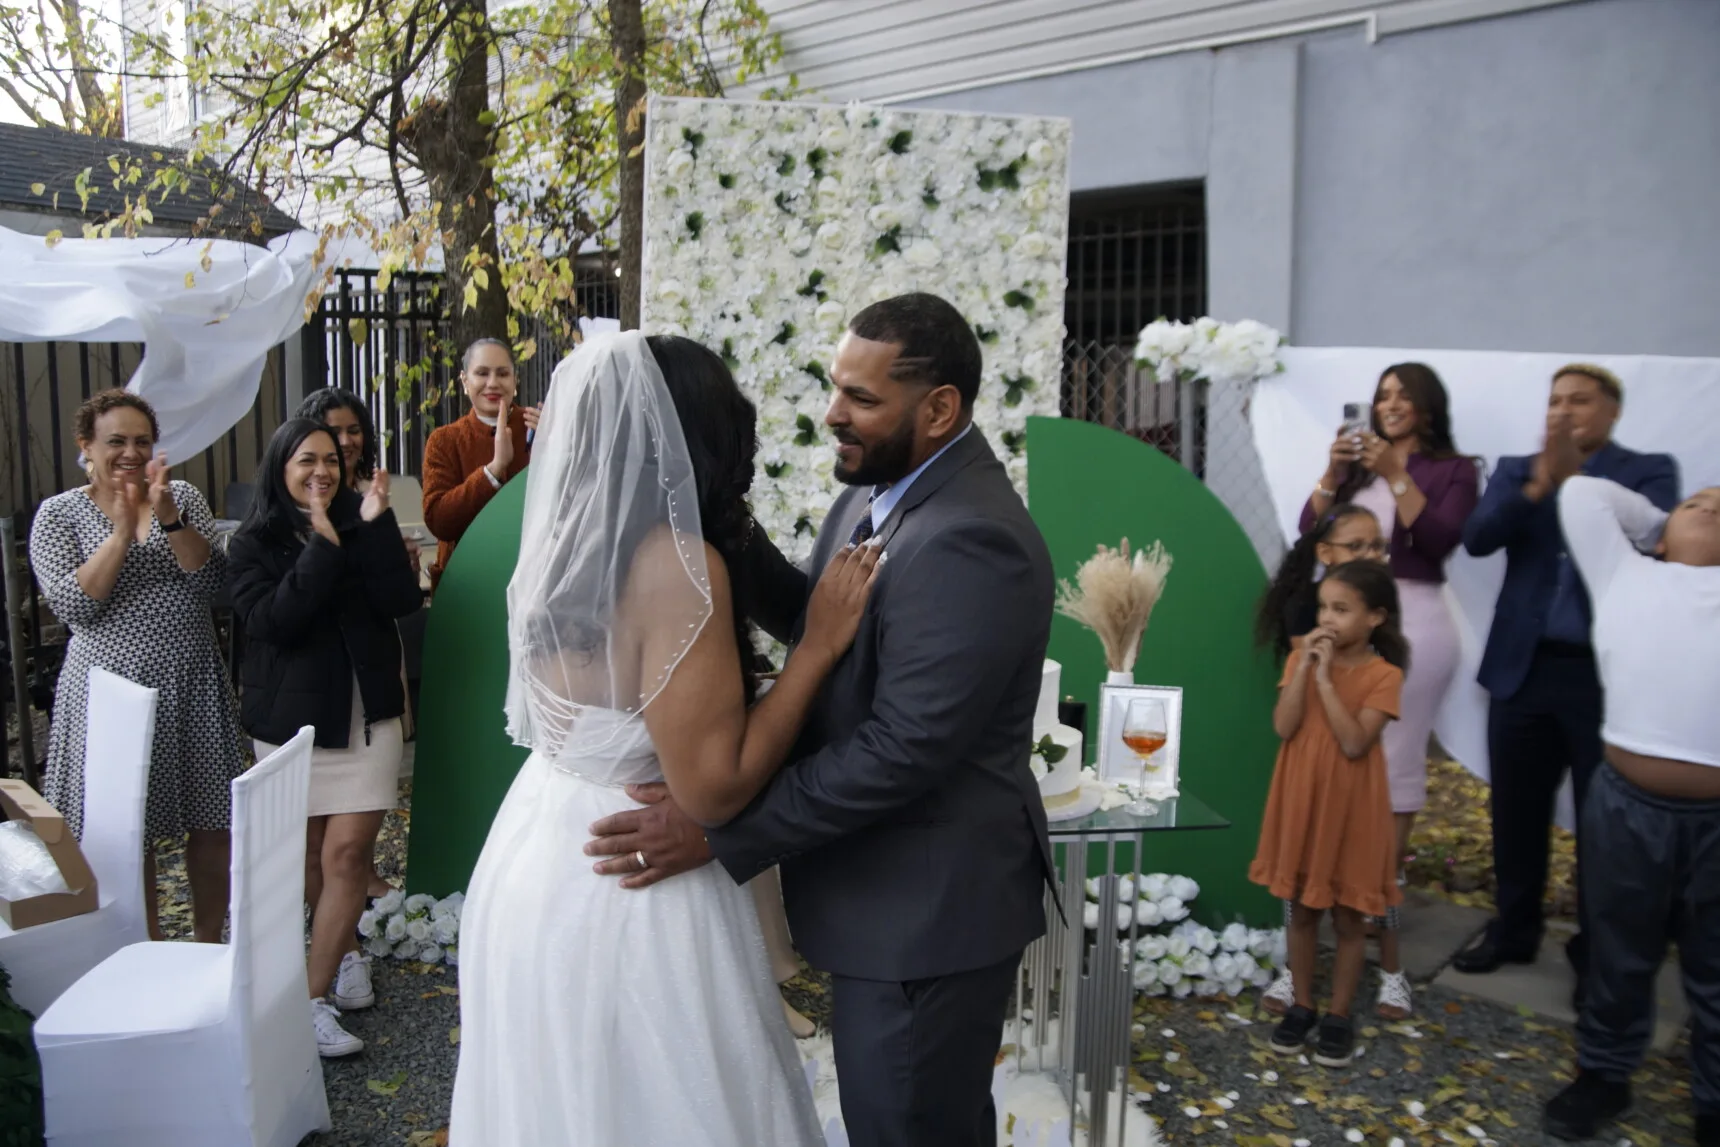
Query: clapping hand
{"points": [[1559, 459], [376, 498], [160, 491], [320, 500], [503, 454]]}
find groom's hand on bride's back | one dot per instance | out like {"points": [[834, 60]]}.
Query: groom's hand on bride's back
{"points": [[669, 840]]}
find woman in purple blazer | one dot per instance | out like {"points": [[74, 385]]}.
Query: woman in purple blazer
{"points": [[1409, 473]]}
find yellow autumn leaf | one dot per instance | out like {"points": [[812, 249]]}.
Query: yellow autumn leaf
{"points": [[38, 189], [454, 1035], [52, 238], [190, 280]]}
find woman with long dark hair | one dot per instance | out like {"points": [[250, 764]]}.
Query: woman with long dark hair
{"points": [[593, 1014], [1407, 470], [318, 577], [348, 419]]}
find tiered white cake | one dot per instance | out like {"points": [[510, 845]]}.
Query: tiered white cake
{"points": [[1060, 780]]}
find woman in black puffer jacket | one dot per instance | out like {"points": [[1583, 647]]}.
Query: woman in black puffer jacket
{"points": [[318, 577]]}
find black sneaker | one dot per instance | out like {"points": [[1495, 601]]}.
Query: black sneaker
{"points": [[1291, 1034], [1336, 1045], [1583, 1108], [1707, 1129]]}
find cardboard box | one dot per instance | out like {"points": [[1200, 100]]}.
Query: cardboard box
{"points": [[20, 802]]}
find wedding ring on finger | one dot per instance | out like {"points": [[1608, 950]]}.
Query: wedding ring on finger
{"points": [[643, 863]]}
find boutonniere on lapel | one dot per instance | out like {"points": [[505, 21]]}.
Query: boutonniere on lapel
{"points": [[1113, 595]]}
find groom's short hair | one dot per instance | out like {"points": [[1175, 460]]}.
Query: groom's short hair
{"points": [[938, 347]]}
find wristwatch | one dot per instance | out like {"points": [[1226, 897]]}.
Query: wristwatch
{"points": [[173, 527], [1400, 487]]}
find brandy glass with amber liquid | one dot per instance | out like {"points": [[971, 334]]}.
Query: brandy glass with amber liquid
{"points": [[1145, 732]]}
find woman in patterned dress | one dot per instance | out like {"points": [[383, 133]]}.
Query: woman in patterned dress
{"points": [[126, 564]]}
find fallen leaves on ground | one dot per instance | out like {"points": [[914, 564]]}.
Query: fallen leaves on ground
{"points": [[389, 1087], [1451, 847]]}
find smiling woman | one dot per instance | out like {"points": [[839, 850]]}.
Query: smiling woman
{"points": [[467, 461], [125, 563]]}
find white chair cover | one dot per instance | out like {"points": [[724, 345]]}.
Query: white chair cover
{"points": [[202, 1045], [46, 960]]}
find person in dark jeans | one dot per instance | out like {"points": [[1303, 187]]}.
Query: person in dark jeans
{"points": [[1545, 716]]}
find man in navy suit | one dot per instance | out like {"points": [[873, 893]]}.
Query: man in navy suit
{"points": [[1545, 715]]}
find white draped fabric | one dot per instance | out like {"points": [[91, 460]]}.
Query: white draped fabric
{"points": [[205, 337], [1498, 406]]}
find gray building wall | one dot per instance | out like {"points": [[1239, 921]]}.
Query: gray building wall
{"points": [[1537, 181]]}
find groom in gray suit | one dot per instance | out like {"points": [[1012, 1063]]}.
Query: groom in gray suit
{"points": [[907, 825]]}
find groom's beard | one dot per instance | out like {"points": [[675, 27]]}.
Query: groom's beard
{"points": [[883, 462]]}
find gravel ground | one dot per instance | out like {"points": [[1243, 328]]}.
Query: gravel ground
{"points": [[1461, 1064]]}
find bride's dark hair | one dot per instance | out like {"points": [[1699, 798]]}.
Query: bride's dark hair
{"points": [[721, 430]]}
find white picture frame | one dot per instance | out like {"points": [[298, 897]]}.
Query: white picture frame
{"points": [[1116, 762]]}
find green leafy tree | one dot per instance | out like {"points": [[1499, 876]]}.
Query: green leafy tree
{"points": [[58, 67], [497, 140]]}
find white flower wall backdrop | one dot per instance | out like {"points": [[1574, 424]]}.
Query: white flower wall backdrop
{"points": [[769, 225]]}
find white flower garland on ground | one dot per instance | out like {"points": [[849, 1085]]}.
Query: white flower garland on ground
{"points": [[1188, 959], [769, 225], [1245, 351], [418, 927]]}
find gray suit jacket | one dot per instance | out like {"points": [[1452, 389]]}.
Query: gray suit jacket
{"points": [[907, 824]]}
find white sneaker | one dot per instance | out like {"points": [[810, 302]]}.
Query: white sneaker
{"points": [[1397, 999], [333, 1041], [352, 990], [1278, 998]]}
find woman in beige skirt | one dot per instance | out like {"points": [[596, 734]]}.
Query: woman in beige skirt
{"points": [[319, 576]]}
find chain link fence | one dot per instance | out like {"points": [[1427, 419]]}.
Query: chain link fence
{"points": [[1202, 427]]}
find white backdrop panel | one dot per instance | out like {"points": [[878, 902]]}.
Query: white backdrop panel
{"points": [[1498, 407]]}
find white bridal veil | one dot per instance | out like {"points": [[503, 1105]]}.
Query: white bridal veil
{"points": [[610, 589]]}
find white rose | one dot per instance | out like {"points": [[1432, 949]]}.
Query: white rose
{"points": [[1125, 888], [1090, 916], [446, 929], [1204, 940], [1147, 913], [1125, 916], [1036, 198], [1183, 990], [923, 253], [1155, 885], [830, 315], [829, 190], [1041, 152], [395, 930], [1150, 948], [1178, 947], [1224, 966], [1260, 977], [1092, 887], [797, 238], [1261, 942], [392, 901], [455, 902], [1170, 972], [1235, 938], [367, 925], [430, 954], [452, 955], [377, 946], [1172, 909], [406, 950], [1033, 245], [678, 164], [886, 170], [884, 216], [671, 292], [418, 930], [834, 136], [1197, 964], [831, 236], [1207, 987], [1146, 975], [1234, 988], [420, 902], [1183, 888]]}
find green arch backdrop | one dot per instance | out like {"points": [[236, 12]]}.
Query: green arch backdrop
{"points": [[1088, 485]]}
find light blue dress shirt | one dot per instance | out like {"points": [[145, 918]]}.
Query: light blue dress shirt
{"points": [[885, 499]]}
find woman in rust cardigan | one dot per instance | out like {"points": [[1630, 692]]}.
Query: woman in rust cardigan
{"points": [[468, 460]]}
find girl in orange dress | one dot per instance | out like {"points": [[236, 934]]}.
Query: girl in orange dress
{"points": [[1327, 840]]}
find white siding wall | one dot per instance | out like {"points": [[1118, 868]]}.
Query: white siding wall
{"points": [[890, 50]]}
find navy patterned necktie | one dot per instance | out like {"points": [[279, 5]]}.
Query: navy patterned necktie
{"points": [[863, 529]]}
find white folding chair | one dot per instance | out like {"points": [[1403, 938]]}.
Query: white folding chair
{"points": [[202, 1045], [45, 960]]}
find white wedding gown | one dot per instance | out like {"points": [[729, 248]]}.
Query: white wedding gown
{"points": [[597, 1016]]}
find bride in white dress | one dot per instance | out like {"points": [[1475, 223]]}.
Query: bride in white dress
{"points": [[592, 1015]]}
